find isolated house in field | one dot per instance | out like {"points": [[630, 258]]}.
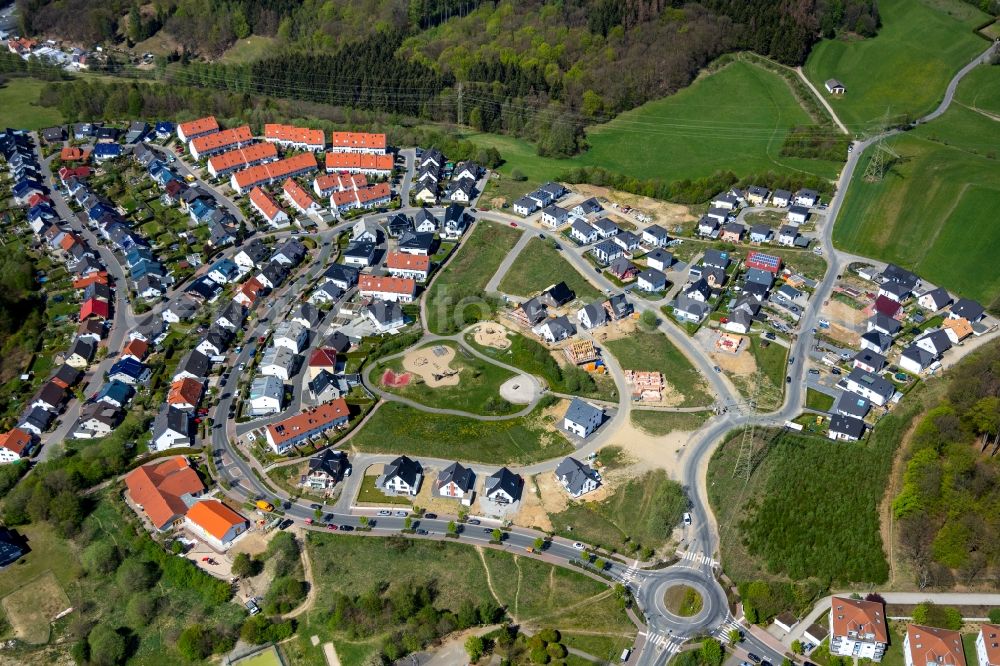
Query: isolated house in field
{"points": [[457, 482], [576, 478], [582, 418], [835, 87]]}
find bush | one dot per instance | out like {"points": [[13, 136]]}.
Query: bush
{"points": [[931, 615], [540, 655], [107, 646], [258, 630]]}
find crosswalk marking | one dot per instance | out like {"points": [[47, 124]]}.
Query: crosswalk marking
{"points": [[665, 643], [700, 558], [723, 630]]}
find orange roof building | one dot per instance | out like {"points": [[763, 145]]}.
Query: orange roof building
{"points": [[185, 393], [265, 174], [858, 628], [136, 348], [265, 204], [401, 264], [283, 435], [327, 184], [241, 158], [957, 329], [302, 138], [216, 522], [101, 277], [357, 142], [195, 128], [163, 490], [248, 294], [298, 197], [14, 445], [217, 142], [400, 290], [930, 646], [988, 645], [366, 163], [74, 154]]}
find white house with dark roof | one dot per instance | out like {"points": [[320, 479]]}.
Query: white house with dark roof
{"points": [[555, 329], [873, 388], [402, 476], [583, 232], [576, 478], [655, 236], [503, 487], [934, 300], [651, 280], [845, 428], [582, 418], [457, 482]]}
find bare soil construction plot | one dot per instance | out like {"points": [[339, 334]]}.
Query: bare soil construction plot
{"points": [[432, 364], [845, 322], [662, 212], [491, 334], [616, 330], [32, 607]]}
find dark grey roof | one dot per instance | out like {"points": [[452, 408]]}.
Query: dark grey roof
{"points": [[505, 480], [716, 258], [652, 275], [85, 347], [918, 355], [559, 294], [67, 374], [342, 273], [596, 314], [878, 338], [847, 425], [939, 296], [385, 312], [338, 341], [172, 419], [879, 385], [329, 461], [967, 308], [194, 363], [662, 256], [463, 477], [938, 338], [620, 305], [412, 240], [580, 411], [404, 468], [894, 273], [560, 326], [574, 474], [852, 404], [534, 310], [870, 358]]}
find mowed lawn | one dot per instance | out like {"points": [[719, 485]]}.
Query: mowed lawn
{"points": [[935, 211], [540, 266], [652, 351], [19, 105], [467, 273], [663, 423], [735, 119], [906, 67], [979, 90], [396, 428]]}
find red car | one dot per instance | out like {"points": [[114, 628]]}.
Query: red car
{"points": [[513, 224], [331, 527]]}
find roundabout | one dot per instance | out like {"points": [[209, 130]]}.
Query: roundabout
{"points": [[662, 596], [683, 600]]}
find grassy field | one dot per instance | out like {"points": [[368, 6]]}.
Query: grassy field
{"points": [[457, 575], [652, 351], [396, 428], [641, 512], [772, 361], [683, 600], [539, 266], [979, 91], [252, 48], [19, 105], [478, 390], [905, 69], [821, 402], [535, 359], [934, 211], [664, 423], [466, 276], [751, 110]]}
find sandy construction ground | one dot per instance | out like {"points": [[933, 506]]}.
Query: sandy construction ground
{"points": [[737, 364], [845, 322], [661, 211], [433, 368], [492, 334]]}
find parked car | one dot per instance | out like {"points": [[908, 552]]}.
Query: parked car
{"points": [[385, 512], [422, 532], [578, 545], [430, 516], [754, 658], [252, 606], [475, 521], [346, 528], [687, 518]]}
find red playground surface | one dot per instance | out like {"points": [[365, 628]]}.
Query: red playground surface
{"points": [[392, 380]]}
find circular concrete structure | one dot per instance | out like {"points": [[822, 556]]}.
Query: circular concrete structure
{"points": [[519, 390]]}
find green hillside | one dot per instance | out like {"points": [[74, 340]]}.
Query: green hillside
{"points": [[905, 69]]}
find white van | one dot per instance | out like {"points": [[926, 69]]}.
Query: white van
{"points": [[626, 653]]}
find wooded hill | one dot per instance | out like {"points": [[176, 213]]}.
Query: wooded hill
{"points": [[536, 68]]}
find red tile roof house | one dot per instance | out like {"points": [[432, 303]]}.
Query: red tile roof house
{"points": [[95, 308], [357, 142], [196, 128], [282, 436], [216, 523], [301, 138], [241, 158], [15, 444], [926, 646], [219, 142], [399, 290], [297, 196], [163, 490], [858, 628], [268, 208], [322, 358], [402, 265], [265, 174]]}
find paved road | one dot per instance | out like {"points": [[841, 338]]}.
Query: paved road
{"points": [[494, 284]]}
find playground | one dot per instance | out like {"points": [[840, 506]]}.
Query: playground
{"points": [[491, 334], [433, 365]]}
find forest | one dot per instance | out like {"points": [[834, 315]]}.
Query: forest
{"points": [[537, 69], [21, 310], [948, 509]]}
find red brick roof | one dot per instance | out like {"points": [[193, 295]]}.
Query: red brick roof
{"points": [[275, 170], [991, 641], [94, 308], [374, 192], [309, 420], [100, 277], [341, 181], [185, 391], [386, 285], [243, 156], [229, 137], [404, 261], [137, 348], [73, 154], [292, 134], [357, 162], [930, 645], [15, 440], [855, 615], [323, 357], [298, 195], [206, 124], [265, 203], [158, 488], [357, 140]]}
